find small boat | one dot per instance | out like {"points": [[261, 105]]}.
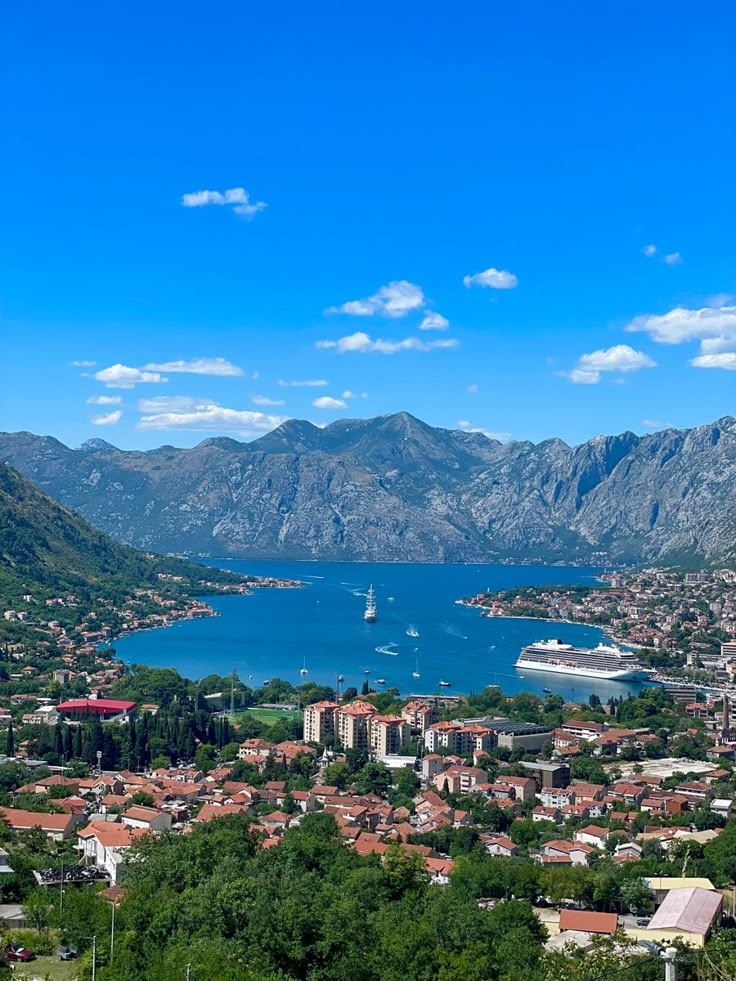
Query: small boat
{"points": [[341, 677], [547, 691], [415, 672], [371, 610], [445, 684], [303, 672], [367, 671], [381, 681]]}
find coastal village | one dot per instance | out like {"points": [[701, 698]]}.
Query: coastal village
{"points": [[526, 798], [683, 622]]}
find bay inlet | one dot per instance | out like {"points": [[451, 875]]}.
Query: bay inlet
{"points": [[420, 626]]}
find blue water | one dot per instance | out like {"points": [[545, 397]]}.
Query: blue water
{"points": [[276, 632]]}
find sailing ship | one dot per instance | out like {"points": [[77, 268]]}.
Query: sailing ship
{"points": [[371, 610]]}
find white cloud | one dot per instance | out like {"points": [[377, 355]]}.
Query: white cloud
{"points": [[497, 279], [264, 400], [122, 376], [434, 321], [396, 299], [200, 366], [347, 394], [202, 416], [310, 383], [468, 427], [472, 389], [235, 197], [714, 327], [725, 359], [82, 364], [671, 259], [619, 358], [105, 400], [171, 403], [656, 424], [327, 402], [362, 343], [109, 419], [256, 375]]}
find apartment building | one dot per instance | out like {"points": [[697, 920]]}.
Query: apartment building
{"points": [[352, 725], [319, 721], [386, 734]]}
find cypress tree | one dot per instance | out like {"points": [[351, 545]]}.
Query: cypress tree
{"points": [[10, 744]]}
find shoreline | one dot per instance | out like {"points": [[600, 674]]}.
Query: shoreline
{"points": [[573, 623], [204, 610]]}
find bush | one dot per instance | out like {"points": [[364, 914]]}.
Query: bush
{"points": [[40, 942]]}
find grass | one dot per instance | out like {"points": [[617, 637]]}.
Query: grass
{"points": [[270, 717], [48, 967]]}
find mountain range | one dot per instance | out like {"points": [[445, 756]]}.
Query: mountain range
{"points": [[396, 489]]}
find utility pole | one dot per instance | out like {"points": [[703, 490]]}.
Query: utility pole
{"points": [[61, 891], [189, 972], [232, 697], [94, 958], [112, 935], [670, 964]]}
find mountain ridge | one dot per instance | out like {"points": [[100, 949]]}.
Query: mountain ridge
{"points": [[394, 488]]}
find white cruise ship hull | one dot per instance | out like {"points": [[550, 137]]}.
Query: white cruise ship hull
{"points": [[581, 672]]}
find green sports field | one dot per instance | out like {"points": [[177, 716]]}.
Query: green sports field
{"points": [[270, 717]]}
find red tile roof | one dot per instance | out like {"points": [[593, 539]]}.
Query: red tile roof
{"points": [[587, 922]]}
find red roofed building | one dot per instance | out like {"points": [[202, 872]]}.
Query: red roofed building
{"points": [[319, 721], [387, 734], [55, 826], [106, 709], [419, 716], [587, 922], [352, 725]]}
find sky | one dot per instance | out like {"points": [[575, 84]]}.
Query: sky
{"points": [[515, 218]]}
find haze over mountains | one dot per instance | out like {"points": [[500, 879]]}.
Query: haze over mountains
{"points": [[395, 489]]}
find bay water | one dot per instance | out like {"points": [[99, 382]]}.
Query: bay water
{"points": [[420, 627]]}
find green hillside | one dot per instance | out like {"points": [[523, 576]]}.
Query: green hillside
{"points": [[47, 549]]}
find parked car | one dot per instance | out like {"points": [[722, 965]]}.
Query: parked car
{"points": [[66, 952], [642, 921], [16, 952]]}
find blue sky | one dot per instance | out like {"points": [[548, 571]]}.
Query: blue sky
{"points": [[495, 172]]}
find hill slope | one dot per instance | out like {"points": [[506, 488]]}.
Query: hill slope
{"points": [[396, 489], [46, 548]]}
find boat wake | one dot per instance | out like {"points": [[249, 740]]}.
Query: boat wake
{"points": [[453, 631], [412, 631], [386, 649]]}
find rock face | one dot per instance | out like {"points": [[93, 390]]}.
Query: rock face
{"points": [[396, 489]]}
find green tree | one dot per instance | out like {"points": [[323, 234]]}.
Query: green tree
{"points": [[637, 895]]}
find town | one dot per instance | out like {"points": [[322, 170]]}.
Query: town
{"points": [[602, 830], [684, 623]]}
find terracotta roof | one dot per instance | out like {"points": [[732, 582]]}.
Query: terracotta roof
{"points": [[211, 811], [587, 922], [138, 813], [19, 819], [109, 834]]}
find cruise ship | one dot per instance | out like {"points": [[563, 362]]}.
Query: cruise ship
{"points": [[606, 662]]}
